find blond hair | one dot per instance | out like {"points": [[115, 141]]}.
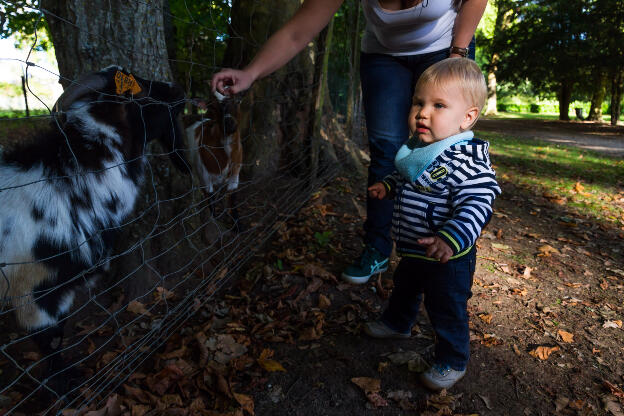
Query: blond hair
{"points": [[464, 71]]}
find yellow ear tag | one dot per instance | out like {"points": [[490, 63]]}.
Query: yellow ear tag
{"points": [[125, 83]]}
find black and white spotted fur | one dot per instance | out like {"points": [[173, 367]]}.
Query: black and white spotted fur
{"points": [[64, 194]]}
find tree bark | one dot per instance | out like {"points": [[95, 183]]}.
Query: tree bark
{"points": [[616, 95], [276, 110], [565, 95], [491, 86], [90, 35], [598, 95], [323, 45], [354, 65]]}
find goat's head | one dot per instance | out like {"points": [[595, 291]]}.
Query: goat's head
{"points": [[140, 110], [225, 110]]}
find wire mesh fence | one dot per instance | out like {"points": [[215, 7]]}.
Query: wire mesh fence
{"points": [[122, 212]]}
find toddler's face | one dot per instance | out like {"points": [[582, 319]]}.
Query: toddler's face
{"points": [[440, 112]]}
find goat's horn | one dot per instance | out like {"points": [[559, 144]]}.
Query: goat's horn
{"points": [[87, 83]]}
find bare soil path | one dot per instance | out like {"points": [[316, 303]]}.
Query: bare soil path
{"points": [[588, 135]]}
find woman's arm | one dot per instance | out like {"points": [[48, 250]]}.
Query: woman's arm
{"points": [[287, 42], [466, 22]]}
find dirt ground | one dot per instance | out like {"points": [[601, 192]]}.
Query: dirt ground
{"points": [[600, 137], [285, 337]]}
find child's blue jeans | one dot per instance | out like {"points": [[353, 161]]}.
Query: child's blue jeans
{"points": [[446, 288], [387, 89]]}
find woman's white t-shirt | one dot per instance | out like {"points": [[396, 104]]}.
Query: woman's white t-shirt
{"points": [[426, 27]]}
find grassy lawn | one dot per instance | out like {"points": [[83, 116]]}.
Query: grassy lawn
{"points": [[586, 182]]}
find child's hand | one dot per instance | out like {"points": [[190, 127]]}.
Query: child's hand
{"points": [[377, 190], [436, 248]]}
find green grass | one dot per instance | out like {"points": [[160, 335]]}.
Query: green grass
{"points": [[10, 114], [538, 116], [585, 182]]}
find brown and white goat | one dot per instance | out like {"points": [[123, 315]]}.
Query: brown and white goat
{"points": [[216, 149]]}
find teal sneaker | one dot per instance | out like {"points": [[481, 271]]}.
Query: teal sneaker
{"points": [[371, 262]]}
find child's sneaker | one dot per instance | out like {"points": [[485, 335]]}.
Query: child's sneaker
{"points": [[370, 263], [377, 329], [439, 377]]}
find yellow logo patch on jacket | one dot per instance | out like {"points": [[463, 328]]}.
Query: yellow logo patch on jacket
{"points": [[439, 173]]}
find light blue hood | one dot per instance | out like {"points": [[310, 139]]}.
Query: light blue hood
{"points": [[413, 157]]}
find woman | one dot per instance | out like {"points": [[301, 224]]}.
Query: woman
{"points": [[402, 39]]}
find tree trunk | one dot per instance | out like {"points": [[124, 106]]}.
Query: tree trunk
{"points": [[90, 35], [564, 96], [276, 110], [491, 86], [354, 65], [598, 95], [323, 45], [616, 95]]}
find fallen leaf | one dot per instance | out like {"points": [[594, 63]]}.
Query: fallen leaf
{"points": [[561, 403], [614, 408], [376, 400], [32, 356], [500, 247], [111, 408], [489, 340], [246, 402], [527, 272], [566, 336], [323, 302], [615, 390], [160, 382], [137, 307], [546, 250], [268, 364], [369, 385], [400, 395], [486, 317], [486, 401], [612, 324], [162, 293], [311, 270], [543, 352]]}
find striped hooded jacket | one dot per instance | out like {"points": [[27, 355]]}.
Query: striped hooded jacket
{"points": [[451, 196]]}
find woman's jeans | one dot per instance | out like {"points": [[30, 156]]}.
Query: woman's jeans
{"points": [[387, 89], [447, 288]]}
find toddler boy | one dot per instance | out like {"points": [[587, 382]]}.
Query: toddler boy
{"points": [[443, 191]]}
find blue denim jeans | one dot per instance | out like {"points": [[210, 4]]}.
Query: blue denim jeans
{"points": [[446, 288], [387, 89]]}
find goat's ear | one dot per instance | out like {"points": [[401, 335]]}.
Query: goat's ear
{"points": [[127, 84], [87, 84]]}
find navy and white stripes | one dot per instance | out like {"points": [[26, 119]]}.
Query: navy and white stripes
{"points": [[451, 199]]}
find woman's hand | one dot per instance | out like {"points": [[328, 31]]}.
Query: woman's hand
{"points": [[377, 190], [231, 81]]}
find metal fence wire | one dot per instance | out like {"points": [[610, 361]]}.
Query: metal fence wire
{"points": [[90, 287]]}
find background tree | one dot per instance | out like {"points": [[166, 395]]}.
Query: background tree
{"points": [[547, 45], [89, 35], [498, 17]]}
